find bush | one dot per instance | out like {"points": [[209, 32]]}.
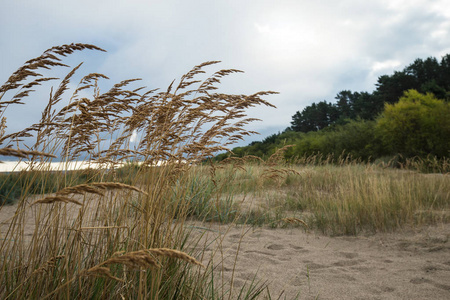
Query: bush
{"points": [[356, 138], [418, 125]]}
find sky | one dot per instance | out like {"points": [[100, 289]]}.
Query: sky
{"points": [[306, 50]]}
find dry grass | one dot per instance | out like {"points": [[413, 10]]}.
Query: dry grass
{"points": [[48, 200], [60, 250], [23, 153], [294, 221], [348, 198], [145, 258], [98, 188]]}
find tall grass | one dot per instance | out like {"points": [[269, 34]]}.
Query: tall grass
{"points": [[118, 233], [355, 198], [340, 196]]}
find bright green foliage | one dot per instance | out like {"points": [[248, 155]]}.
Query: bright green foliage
{"points": [[417, 125]]}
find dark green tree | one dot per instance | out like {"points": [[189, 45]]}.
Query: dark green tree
{"points": [[367, 106], [345, 100], [391, 87], [445, 75], [314, 117], [424, 70]]}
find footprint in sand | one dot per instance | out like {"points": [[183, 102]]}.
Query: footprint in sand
{"points": [[361, 269], [346, 263], [350, 262], [260, 256], [290, 247], [237, 283], [346, 277], [296, 247], [349, 255], [444, 287], [259, 252], [276, 247], [313, 265], [245, 277], [235, 236], [379, 290], [387, 289], [422, 280], [431, 268]]}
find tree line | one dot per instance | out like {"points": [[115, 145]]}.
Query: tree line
{"points": [[424, 76], [408, 114]]}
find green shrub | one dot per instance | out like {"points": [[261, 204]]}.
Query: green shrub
{"points": [[418, 125]]}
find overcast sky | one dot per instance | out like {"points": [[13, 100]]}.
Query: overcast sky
{"points": [[306, 50]]}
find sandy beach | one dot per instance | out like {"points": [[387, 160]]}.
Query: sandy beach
{"points": [[408, 264]]}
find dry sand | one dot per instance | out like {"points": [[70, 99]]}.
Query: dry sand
{"points": [[408, 264]]}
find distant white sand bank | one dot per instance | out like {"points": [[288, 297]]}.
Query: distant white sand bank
{"points": [[15, 166]]}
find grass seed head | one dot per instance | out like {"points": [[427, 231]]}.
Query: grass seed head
{"points": [[54, 199]]}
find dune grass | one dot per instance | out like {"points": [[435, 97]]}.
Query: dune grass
{"points": [[355, 198], [113, 232], [346, 198]]}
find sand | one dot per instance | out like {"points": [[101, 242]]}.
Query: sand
{"points": [[407, 264]]}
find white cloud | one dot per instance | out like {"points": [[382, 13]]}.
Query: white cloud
{"points": [[306, 50], [385, 66], [133, 136]]}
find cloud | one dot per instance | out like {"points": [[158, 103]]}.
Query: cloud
{"points": [[133, 136], [306, 50]]}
